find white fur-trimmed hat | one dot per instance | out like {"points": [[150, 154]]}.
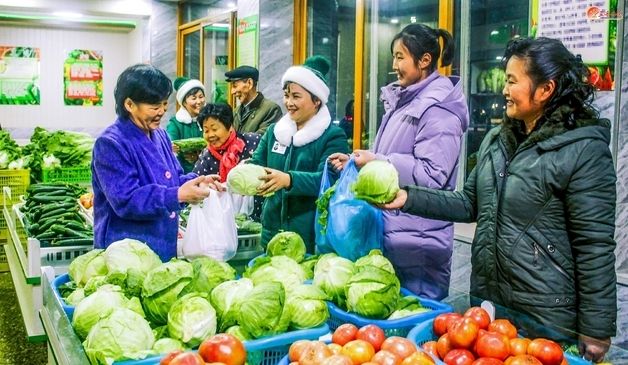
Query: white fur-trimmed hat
{"points": [[311, 75], [183, 85]]}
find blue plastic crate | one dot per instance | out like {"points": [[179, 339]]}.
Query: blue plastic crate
{"points": [[263, 351], [424, 332], [284, 361], [394, 327], [56, 283]]}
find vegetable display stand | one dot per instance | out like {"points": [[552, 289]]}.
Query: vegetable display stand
{"points": [[17, 181], [423, 332], [394, 327], [4, 265], [77, 175]]}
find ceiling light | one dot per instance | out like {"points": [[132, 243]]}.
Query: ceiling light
{"points": [[394, 21]]}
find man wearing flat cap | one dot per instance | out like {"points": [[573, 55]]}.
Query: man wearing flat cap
{"points": [[254, 113]]}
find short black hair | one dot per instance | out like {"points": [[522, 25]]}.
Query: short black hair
{"points": [[141, 83], [193, 91], [219, 111]]}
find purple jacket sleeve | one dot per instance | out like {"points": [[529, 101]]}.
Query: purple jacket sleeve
{"points": [[435, 153], [120, 180]]}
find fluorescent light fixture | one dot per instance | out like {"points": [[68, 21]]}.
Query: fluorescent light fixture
{"points": [[394, 21], [221, 25], [67, 14], [499, 58], [413, 19], [495, 32], [231, 4]]}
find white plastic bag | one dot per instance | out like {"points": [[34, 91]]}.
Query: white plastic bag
{"points": [[211, 229], [242, 204]]}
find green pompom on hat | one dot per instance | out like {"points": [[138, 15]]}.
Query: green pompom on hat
{"points": [[319, 64]]}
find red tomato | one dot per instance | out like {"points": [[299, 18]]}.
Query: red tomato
{"points": [[335, 348], [441, 322], [459, 357], [491, 344], [384, 357], [359, 351], [519, 346], [187, 358], [223, 347], [168, 358], [344, 333], [463, 333], [547, 351], [372, 334], [431, 348], [338, 360], [296, 349], [487, 361], [522, 360], [443, 345], [314, 353], [418, 358], [479, 315], [503, 326], [399, 346]]}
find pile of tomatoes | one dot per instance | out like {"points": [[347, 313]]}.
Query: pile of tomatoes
{"points": [[472, 339], [220, 349], [367, 345]]}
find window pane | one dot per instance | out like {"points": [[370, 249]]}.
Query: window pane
{"points": [[331, 33], [215, 43], [384, 19], [192, 55]]}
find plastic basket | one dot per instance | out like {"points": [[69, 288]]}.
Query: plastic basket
{"points": [[423, 332], [18, 181], [56, 283], [394, 327], [4, 265], [263, 351], [249, 242], [77, 175]]}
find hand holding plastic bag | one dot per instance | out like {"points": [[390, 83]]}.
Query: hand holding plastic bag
{"points": [[211, 229]]}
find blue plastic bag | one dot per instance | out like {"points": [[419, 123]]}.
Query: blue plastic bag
{"points": [[354, 227]]}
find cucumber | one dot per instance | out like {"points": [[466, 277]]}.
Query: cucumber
{"points": [[73, 242]]}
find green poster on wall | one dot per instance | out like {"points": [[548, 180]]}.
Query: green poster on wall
{"points": [[248, 28], [82, 78], [19, 75]]}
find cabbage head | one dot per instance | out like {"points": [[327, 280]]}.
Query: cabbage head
{"points": [[166, 345], [375, 258], [244, 179], [373, 292], [162, 287], [226, 299], [239, 333], [282, 269], [94, 283], [75, 297], [88, 265], [262, 312], [128, 261], [377, 182], [192, 319], [408, 306], [307, 307], [208, 273], [308, 265], [331, 274], [122, 335], [287, 244], [92, 308]]}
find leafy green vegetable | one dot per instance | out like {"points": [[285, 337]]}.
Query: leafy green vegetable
{"points": [[162, 287], [9, 150], [121, 335], [307, 307], [208, 273], [238, 333], [244, 179], [89, 310], [287, 244], [246, 225], [375, 258], [75, 297], [377, 182], [94, 283], [190, 144], [408, 306], [192, 319], [281, 269], [84, 267], [373, 292], [322, 205], [227, 297], [308, 265], [166, 345], [128, 261], [331, 274], [262, 313]]}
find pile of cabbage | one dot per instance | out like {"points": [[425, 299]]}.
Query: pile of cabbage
{"points": [[129, 305]]}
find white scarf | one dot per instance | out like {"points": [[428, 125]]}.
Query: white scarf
{"points": [[286, 129], [183, 116]]}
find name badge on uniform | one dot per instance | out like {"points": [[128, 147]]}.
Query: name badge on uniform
{"points": [[279, 148]]}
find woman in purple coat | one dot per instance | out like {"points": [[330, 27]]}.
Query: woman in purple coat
{"points": [[421, 133], [138, 183]]}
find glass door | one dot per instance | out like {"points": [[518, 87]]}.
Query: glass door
{"points": [[216, 59], [190, 57]]}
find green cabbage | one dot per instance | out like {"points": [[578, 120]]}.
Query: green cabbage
{"points": [[75, 297], [282, 269], [377, 182], [122, 335], [287, 244], [331, 274], [244, 179], [162, 287], [377, 259], [239, 333], [86, 266], [307, 307], [226, 299], [192, 319], [100, 304], [308, 265], [262, 312], [94, 283], [208, 273], [128, 262], [166, 345], [408, 306], [373, 292]]}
